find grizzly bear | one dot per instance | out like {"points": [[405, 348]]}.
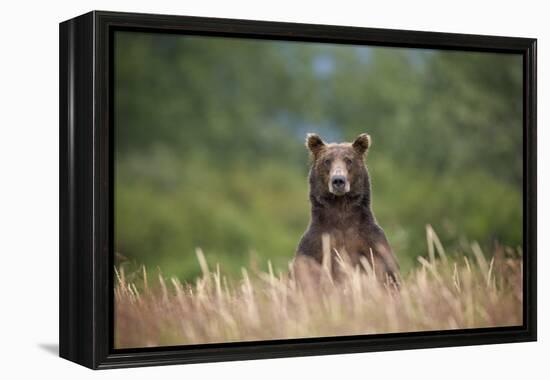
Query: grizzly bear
{"points": [[341, 210]]}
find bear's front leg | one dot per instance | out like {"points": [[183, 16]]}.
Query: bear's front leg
{"points": [[382, 259], [311, 245]]}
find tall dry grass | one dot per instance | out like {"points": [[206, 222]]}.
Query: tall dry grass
{"points": [[442, 293]]}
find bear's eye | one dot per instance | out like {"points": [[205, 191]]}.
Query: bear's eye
{"points": [[327, 162], [348, 161]]}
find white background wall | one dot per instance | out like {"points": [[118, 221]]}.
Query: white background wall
{"points": [[29, 187]]}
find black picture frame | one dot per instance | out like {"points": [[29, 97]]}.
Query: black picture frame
{"points": [[86, 189]]}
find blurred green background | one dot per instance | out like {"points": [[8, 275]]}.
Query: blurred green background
{"points": [[209, 145]]}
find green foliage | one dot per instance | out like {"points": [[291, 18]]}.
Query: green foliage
{"points": [[209, 145]]}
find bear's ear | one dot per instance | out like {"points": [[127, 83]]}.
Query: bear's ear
{"points": [[361, 143], [314, 143]]}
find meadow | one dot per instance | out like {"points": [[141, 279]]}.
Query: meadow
{"points": [[459, 291]]}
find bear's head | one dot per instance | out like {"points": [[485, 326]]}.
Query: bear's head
{"points": [[338, 169]]}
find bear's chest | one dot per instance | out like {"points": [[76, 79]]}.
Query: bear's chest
{"points": [[346, 242]]}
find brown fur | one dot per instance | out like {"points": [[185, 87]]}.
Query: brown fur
{"points": [[346, 218]]}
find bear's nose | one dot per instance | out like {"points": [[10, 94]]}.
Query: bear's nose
{"points": [[338, 182]]}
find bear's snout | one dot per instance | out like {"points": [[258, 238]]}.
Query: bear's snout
{"points": [[338, 182], [338, 185]]}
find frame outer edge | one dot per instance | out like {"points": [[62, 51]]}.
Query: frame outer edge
{"points": [[76, 309], [65, 62]]}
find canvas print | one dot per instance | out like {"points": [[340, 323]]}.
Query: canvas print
{"points": [[268, 190]]}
